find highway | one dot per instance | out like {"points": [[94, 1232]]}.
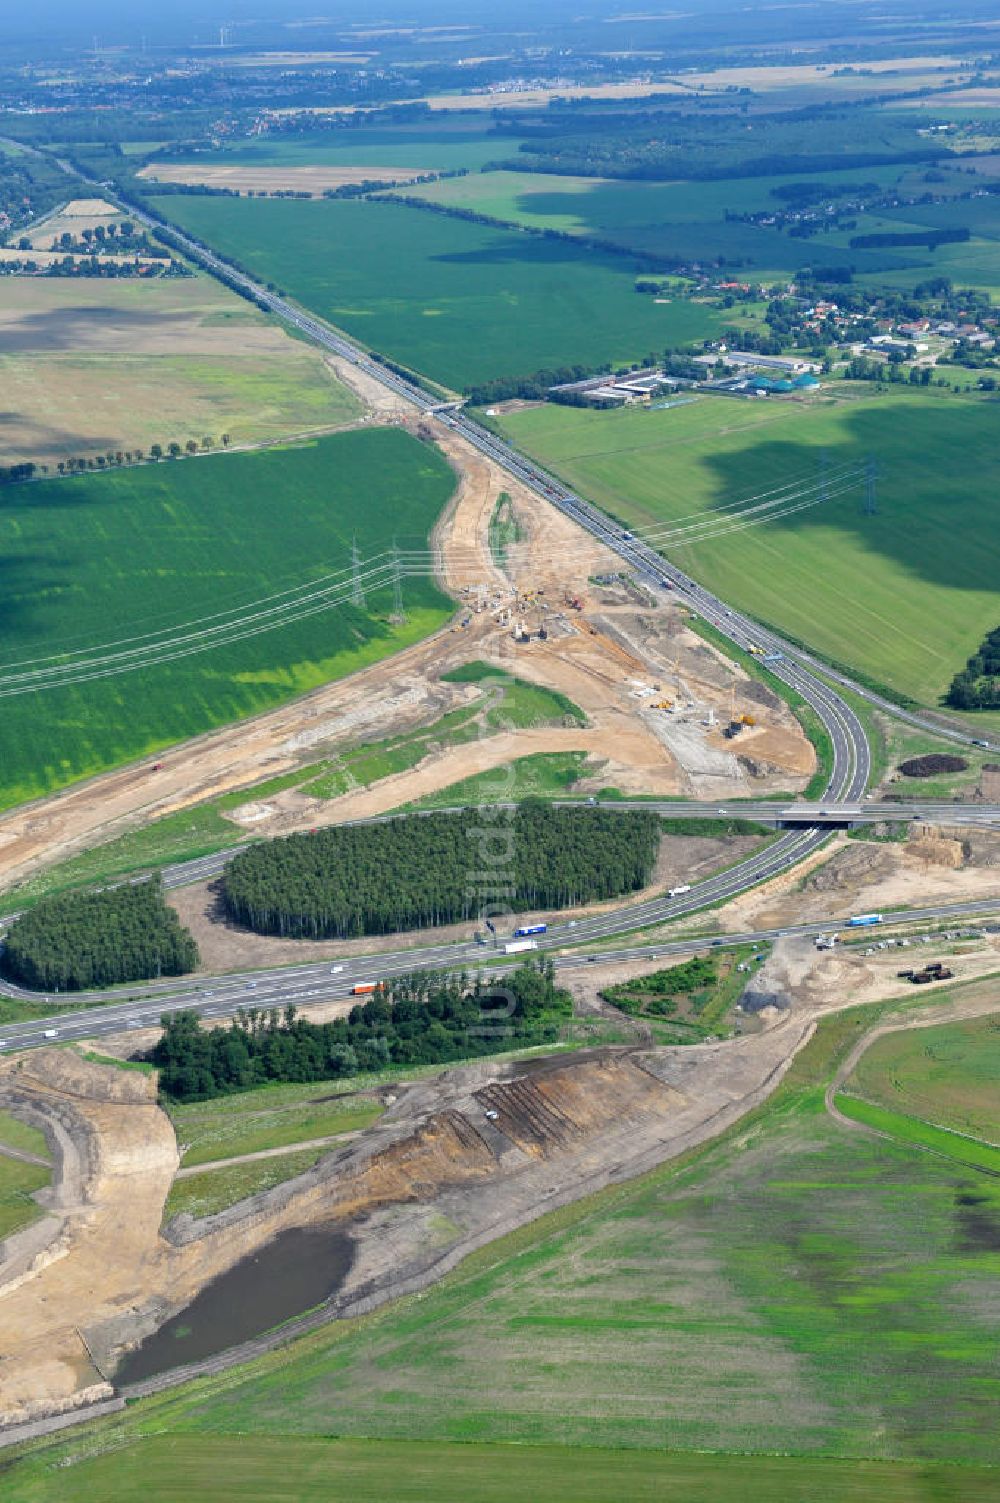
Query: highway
{"points": [[219, 997], [847, 784], [796, 666], [828, 814]]}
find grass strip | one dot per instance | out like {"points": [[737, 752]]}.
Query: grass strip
{"points": [[951, 1145]]}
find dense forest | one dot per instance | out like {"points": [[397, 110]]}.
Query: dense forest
{"points": [[977, 686], [422, 1019], [84, 939], [437, 869]]}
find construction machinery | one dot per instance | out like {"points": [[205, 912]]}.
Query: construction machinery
{"points": [[934, 971]]}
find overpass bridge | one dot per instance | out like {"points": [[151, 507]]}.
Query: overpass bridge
{"points": [[827, 813]]}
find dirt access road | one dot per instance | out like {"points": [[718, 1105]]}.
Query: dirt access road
{"points": [[596, 660]]}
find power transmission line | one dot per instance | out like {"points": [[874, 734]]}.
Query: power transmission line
{"points": [[357, 589]]}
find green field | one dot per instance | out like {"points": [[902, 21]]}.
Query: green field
{"points": [[541, 775], [947, 1076], [438, 146], [217, 1189], [966, 1151], [793, 1293], [460, 302], [904, 596], [804, 1272], [18, 1181], [248, 1469], [685, 221], [17, 1134], [109, 557], [275, 1116], [517, 704]]}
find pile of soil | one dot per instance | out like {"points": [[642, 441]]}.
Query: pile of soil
{"points": [[932, 765]]}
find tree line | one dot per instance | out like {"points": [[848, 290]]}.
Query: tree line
{"points": [[422, 1019], [410, 873], [98, 938], [29, 469], [977, 685], [532, 388], [929, 238]]}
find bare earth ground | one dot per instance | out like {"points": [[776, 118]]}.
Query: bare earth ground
{"points": [[186, 316], [72, 405], [914, 71], [936, 866], [243, 178], [563, 1127], [598, 657], [91, 367]]}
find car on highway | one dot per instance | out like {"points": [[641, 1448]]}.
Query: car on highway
{"points": [[335, 970]]}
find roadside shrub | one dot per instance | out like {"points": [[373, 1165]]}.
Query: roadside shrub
{"points": [[932, 765]]}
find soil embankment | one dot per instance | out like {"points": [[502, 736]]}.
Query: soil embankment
{"points": [[457, 1160]]}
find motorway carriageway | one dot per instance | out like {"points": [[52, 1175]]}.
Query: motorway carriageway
{"points": [[311, 983], [851, 756]]}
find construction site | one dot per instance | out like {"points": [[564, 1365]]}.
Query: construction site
{"points": [[458, 1156], [666, 713], [457, 1159]]}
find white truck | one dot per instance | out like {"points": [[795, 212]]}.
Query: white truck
{"points": [[515, 946], [678, 892]]}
